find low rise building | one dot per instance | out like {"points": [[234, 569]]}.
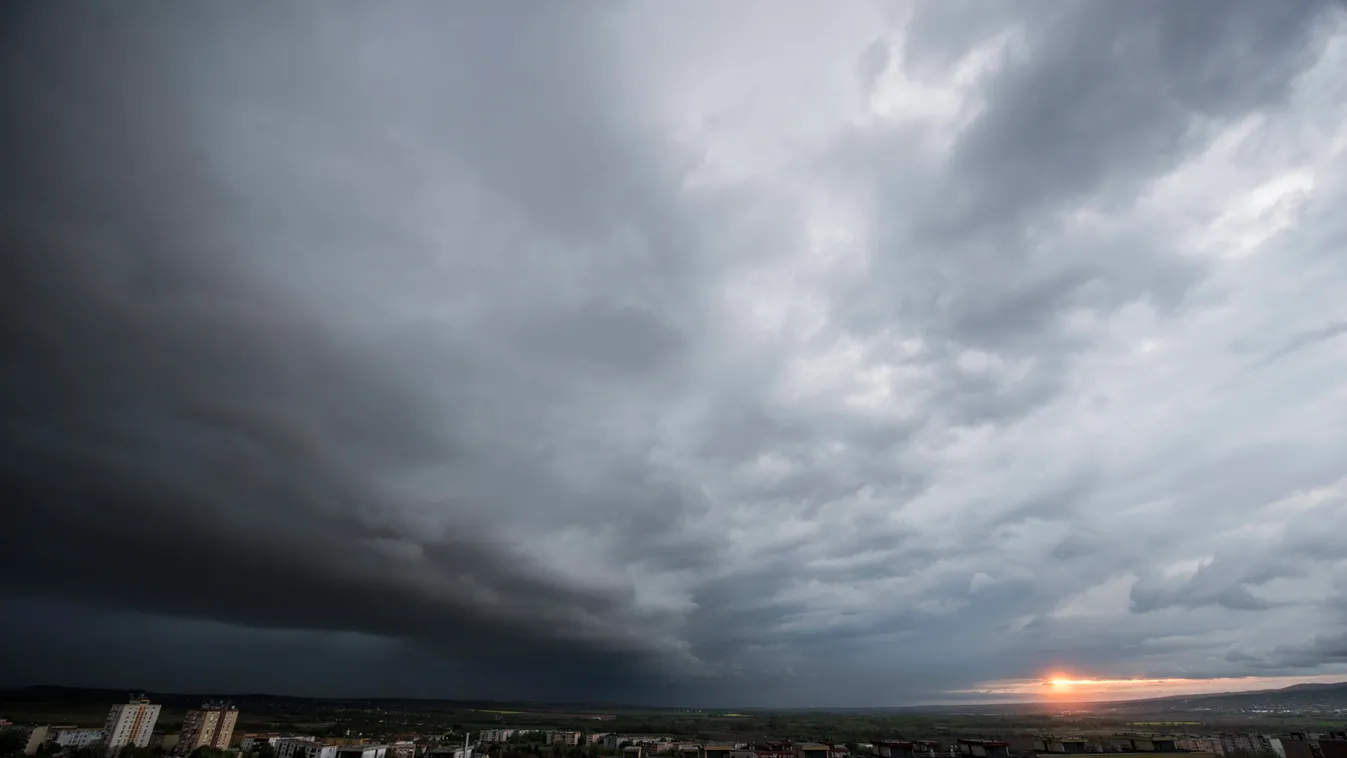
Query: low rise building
{"points": [[1200, 744], [78, 738], [295, 747], [894, 749], [1068, 745], [1239, 743], [360, 751], [1154, 745], [767, 750], [983, 748]]}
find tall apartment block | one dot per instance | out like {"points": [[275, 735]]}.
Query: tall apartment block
{"points": [[211, 725], [130, 724]]}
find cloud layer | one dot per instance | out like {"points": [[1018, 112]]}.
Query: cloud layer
{"points": [[759, 353]]}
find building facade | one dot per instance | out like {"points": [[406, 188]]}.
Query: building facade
{"points": [[296, 747], [1239, 743], [130, 723], [36, 737], [207, 726], [362, 751], [78, 737]]}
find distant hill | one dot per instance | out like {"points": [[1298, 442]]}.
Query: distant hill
{"points": [[1300, 698], [1297, 697]]}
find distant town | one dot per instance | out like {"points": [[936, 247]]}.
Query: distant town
{"points": [[132, 729]]}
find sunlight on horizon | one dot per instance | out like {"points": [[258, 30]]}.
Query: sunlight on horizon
{"points": [[1063, 686]]}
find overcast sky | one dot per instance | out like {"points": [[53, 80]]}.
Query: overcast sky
{"points": [[759, 352]]}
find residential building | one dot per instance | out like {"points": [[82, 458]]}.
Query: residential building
{"points": [[767, 750], [983, 748], [1333, 748], [211, 725], [130, 723], [1153, 745], [251, 742], [595, 738], [496, 735], [717, 751], [563, 738], [36, 737], [811, 750], [361, 751], [78, 738], [1201, 744], [296, 747], [1058, 745], [1242, 743], [899, 748]]}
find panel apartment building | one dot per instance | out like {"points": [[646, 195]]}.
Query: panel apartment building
{"points": [[130, 724], [211, 725]]}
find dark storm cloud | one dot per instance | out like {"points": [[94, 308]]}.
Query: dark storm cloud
{"points": [[557, 353], [1108, 92], [168, 412]]}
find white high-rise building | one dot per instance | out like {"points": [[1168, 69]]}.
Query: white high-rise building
{"points": [[130, 724]]}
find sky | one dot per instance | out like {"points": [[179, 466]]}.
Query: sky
{"points": [[765, 352]]}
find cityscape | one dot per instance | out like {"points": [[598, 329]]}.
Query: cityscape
{"points": [[442, 729]]}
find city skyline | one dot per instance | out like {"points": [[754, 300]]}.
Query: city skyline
{"points": [[774, 353]]}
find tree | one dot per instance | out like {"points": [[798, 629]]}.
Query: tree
{"points": [[264, 750], [206, 751], [12, 742]]}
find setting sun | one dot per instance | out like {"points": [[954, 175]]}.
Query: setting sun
{"points": [[1058, 686]]}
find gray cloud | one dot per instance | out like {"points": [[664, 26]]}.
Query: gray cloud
{"points": [[542, 344]]}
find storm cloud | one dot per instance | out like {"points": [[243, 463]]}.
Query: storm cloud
{"points": [[756, 353]]}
